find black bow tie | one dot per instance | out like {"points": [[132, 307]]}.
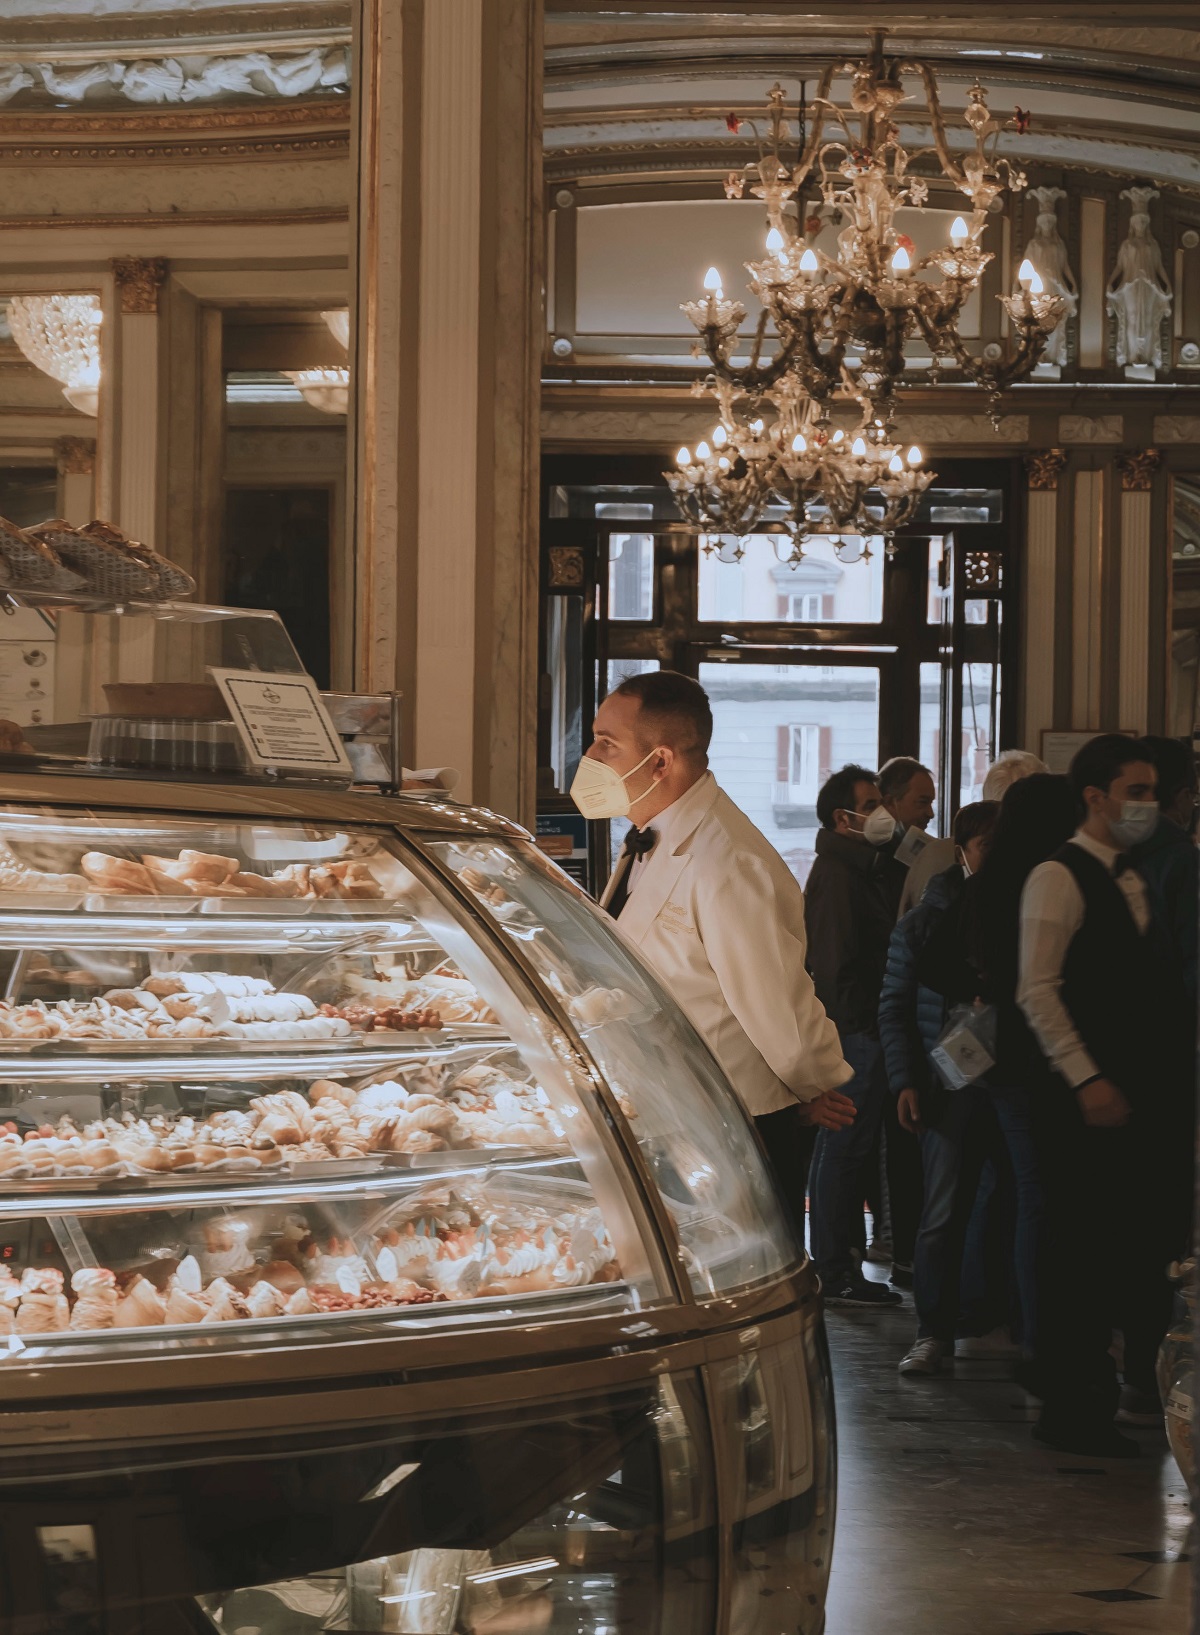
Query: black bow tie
{"points": [[640, 842], [1122, 865]]}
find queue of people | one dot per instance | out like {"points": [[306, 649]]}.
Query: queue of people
{"points": [[995, 1032]]}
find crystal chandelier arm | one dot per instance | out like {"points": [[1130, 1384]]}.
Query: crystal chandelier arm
{"points": [[812, 143], [952, 169]]}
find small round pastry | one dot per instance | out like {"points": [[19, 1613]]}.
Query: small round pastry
{"points": [[328, 1090], [148, 1158]]}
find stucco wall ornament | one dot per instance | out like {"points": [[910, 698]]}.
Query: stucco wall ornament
{"points": [[1048, 254], [139, 279], [1043, 468], [181, 80], [1137, 469], [1139, 291]]}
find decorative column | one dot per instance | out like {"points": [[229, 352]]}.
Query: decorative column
{"points": [[1043, 469], [137, 398], [1137, 471], [76, 460], [1089, 546], [446, 353]]}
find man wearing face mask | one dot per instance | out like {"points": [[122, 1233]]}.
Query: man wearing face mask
{"points": [[713, 908], [1096, 996], [850, 909]]}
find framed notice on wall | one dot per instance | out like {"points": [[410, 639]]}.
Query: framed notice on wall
{"points": [[1059, 748], [282, 722]]}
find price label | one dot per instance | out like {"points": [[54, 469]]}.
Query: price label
{"points": [[282, 722]]}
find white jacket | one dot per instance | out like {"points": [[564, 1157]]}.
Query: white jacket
{"points": [[720, 917]]}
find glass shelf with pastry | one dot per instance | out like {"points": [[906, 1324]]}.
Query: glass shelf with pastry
{"points": [[723, 1207]]}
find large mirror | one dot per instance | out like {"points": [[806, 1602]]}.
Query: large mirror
{"points": [[175, 303]]}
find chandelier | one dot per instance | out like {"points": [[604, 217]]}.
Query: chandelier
{"points": [[839, 323], [60, 335]]}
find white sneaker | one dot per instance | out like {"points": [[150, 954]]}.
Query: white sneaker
{"points": [[997, 1346], [923, 1357]]}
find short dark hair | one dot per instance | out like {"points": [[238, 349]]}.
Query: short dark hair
{"points": [[896, 775], [979, 818], [1101, 759], [837, 792], [675, 709], [1175, 764]]}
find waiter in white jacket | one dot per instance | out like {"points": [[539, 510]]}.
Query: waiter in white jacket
{"points": [[712, 906]]}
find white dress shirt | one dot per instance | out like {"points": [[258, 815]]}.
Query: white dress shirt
{"points": [[662, 829], [1052, 911], [719, 916]]}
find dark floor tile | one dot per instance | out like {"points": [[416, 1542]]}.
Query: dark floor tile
{"points": [[1116, 1595], [1080, 1470], [1156, 1558]]}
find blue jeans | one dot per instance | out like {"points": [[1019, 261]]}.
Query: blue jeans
{"points": [[954, 1156], [1012, 1106], [833, 1190]]}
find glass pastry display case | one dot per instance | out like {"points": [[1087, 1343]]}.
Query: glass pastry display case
{"points": [[380, 1248]]}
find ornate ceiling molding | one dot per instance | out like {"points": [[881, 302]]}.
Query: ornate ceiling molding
{"points": [[177, 218], [334, 146], [186, 79], [115, 123]]}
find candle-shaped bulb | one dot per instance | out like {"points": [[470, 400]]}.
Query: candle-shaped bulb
{"points": [[775, 242], [809, 262], [703, 451], [915, 456], [895, 465], [838, 435], [684, 457], [901, 261], [756, 427], [723, 464], [858, 448], [799, 446], [1026, 273], [720, 437], [712, 281], [1035, 283], [959, 232]]}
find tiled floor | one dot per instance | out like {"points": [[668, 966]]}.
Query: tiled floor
{"points": [[953, 1521]]}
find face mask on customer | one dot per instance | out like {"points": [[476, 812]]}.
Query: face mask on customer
{"points": [[599, 789], [1137, 822], [880, 826]]}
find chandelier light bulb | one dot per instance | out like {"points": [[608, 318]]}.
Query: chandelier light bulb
{"points": [[859, 448], [703, 452], [712, 282], [775, 242], [1035, 284], [895, 465], [915, 456], [838, 435], [756, 427], [723, 464], [684, 457], [1026, 273], [799, 446], [959, 232], [809, 262], [720, 437], [901, 261]]}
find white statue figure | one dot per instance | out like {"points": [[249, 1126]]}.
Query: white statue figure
{"points": [[1048, 254], [1139, 292]]}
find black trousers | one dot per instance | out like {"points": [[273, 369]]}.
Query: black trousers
{"points": [[1105, 1247], [789, 1142]]}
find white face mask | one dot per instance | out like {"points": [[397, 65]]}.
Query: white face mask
{"points": [[1137, 822], [599, 789], [879, 827]]}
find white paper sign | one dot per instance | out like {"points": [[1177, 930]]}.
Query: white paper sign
{"points": [[282, 721], [910, 848]]}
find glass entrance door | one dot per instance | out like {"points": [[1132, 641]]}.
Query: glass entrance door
{"points": [[781, 727]]}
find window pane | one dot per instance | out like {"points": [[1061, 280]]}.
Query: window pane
{"points": [[630, 564], [779, 730], [818, 590], [930, 753], [979, 722]]}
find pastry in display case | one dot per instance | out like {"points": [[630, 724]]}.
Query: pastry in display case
{"points": [[380, 1246]]}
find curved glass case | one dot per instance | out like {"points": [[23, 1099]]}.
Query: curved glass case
{"points": [[380, 1248]]}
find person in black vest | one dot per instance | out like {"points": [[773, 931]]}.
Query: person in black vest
{"points": [[1100, 1003]]}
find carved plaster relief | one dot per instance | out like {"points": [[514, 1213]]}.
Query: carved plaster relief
{"points": [[1079, 428], [149, 81], [1177, 428]]}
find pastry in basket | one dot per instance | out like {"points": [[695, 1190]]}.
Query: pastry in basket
{"points": [[27, 562], [106, 566], [169, 580]]}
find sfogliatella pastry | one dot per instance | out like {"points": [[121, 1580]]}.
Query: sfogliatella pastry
{"points": [[101, 560], [27, 562]]}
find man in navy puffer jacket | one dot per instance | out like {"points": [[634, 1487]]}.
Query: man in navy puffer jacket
{"points": [[956, 1128]]}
